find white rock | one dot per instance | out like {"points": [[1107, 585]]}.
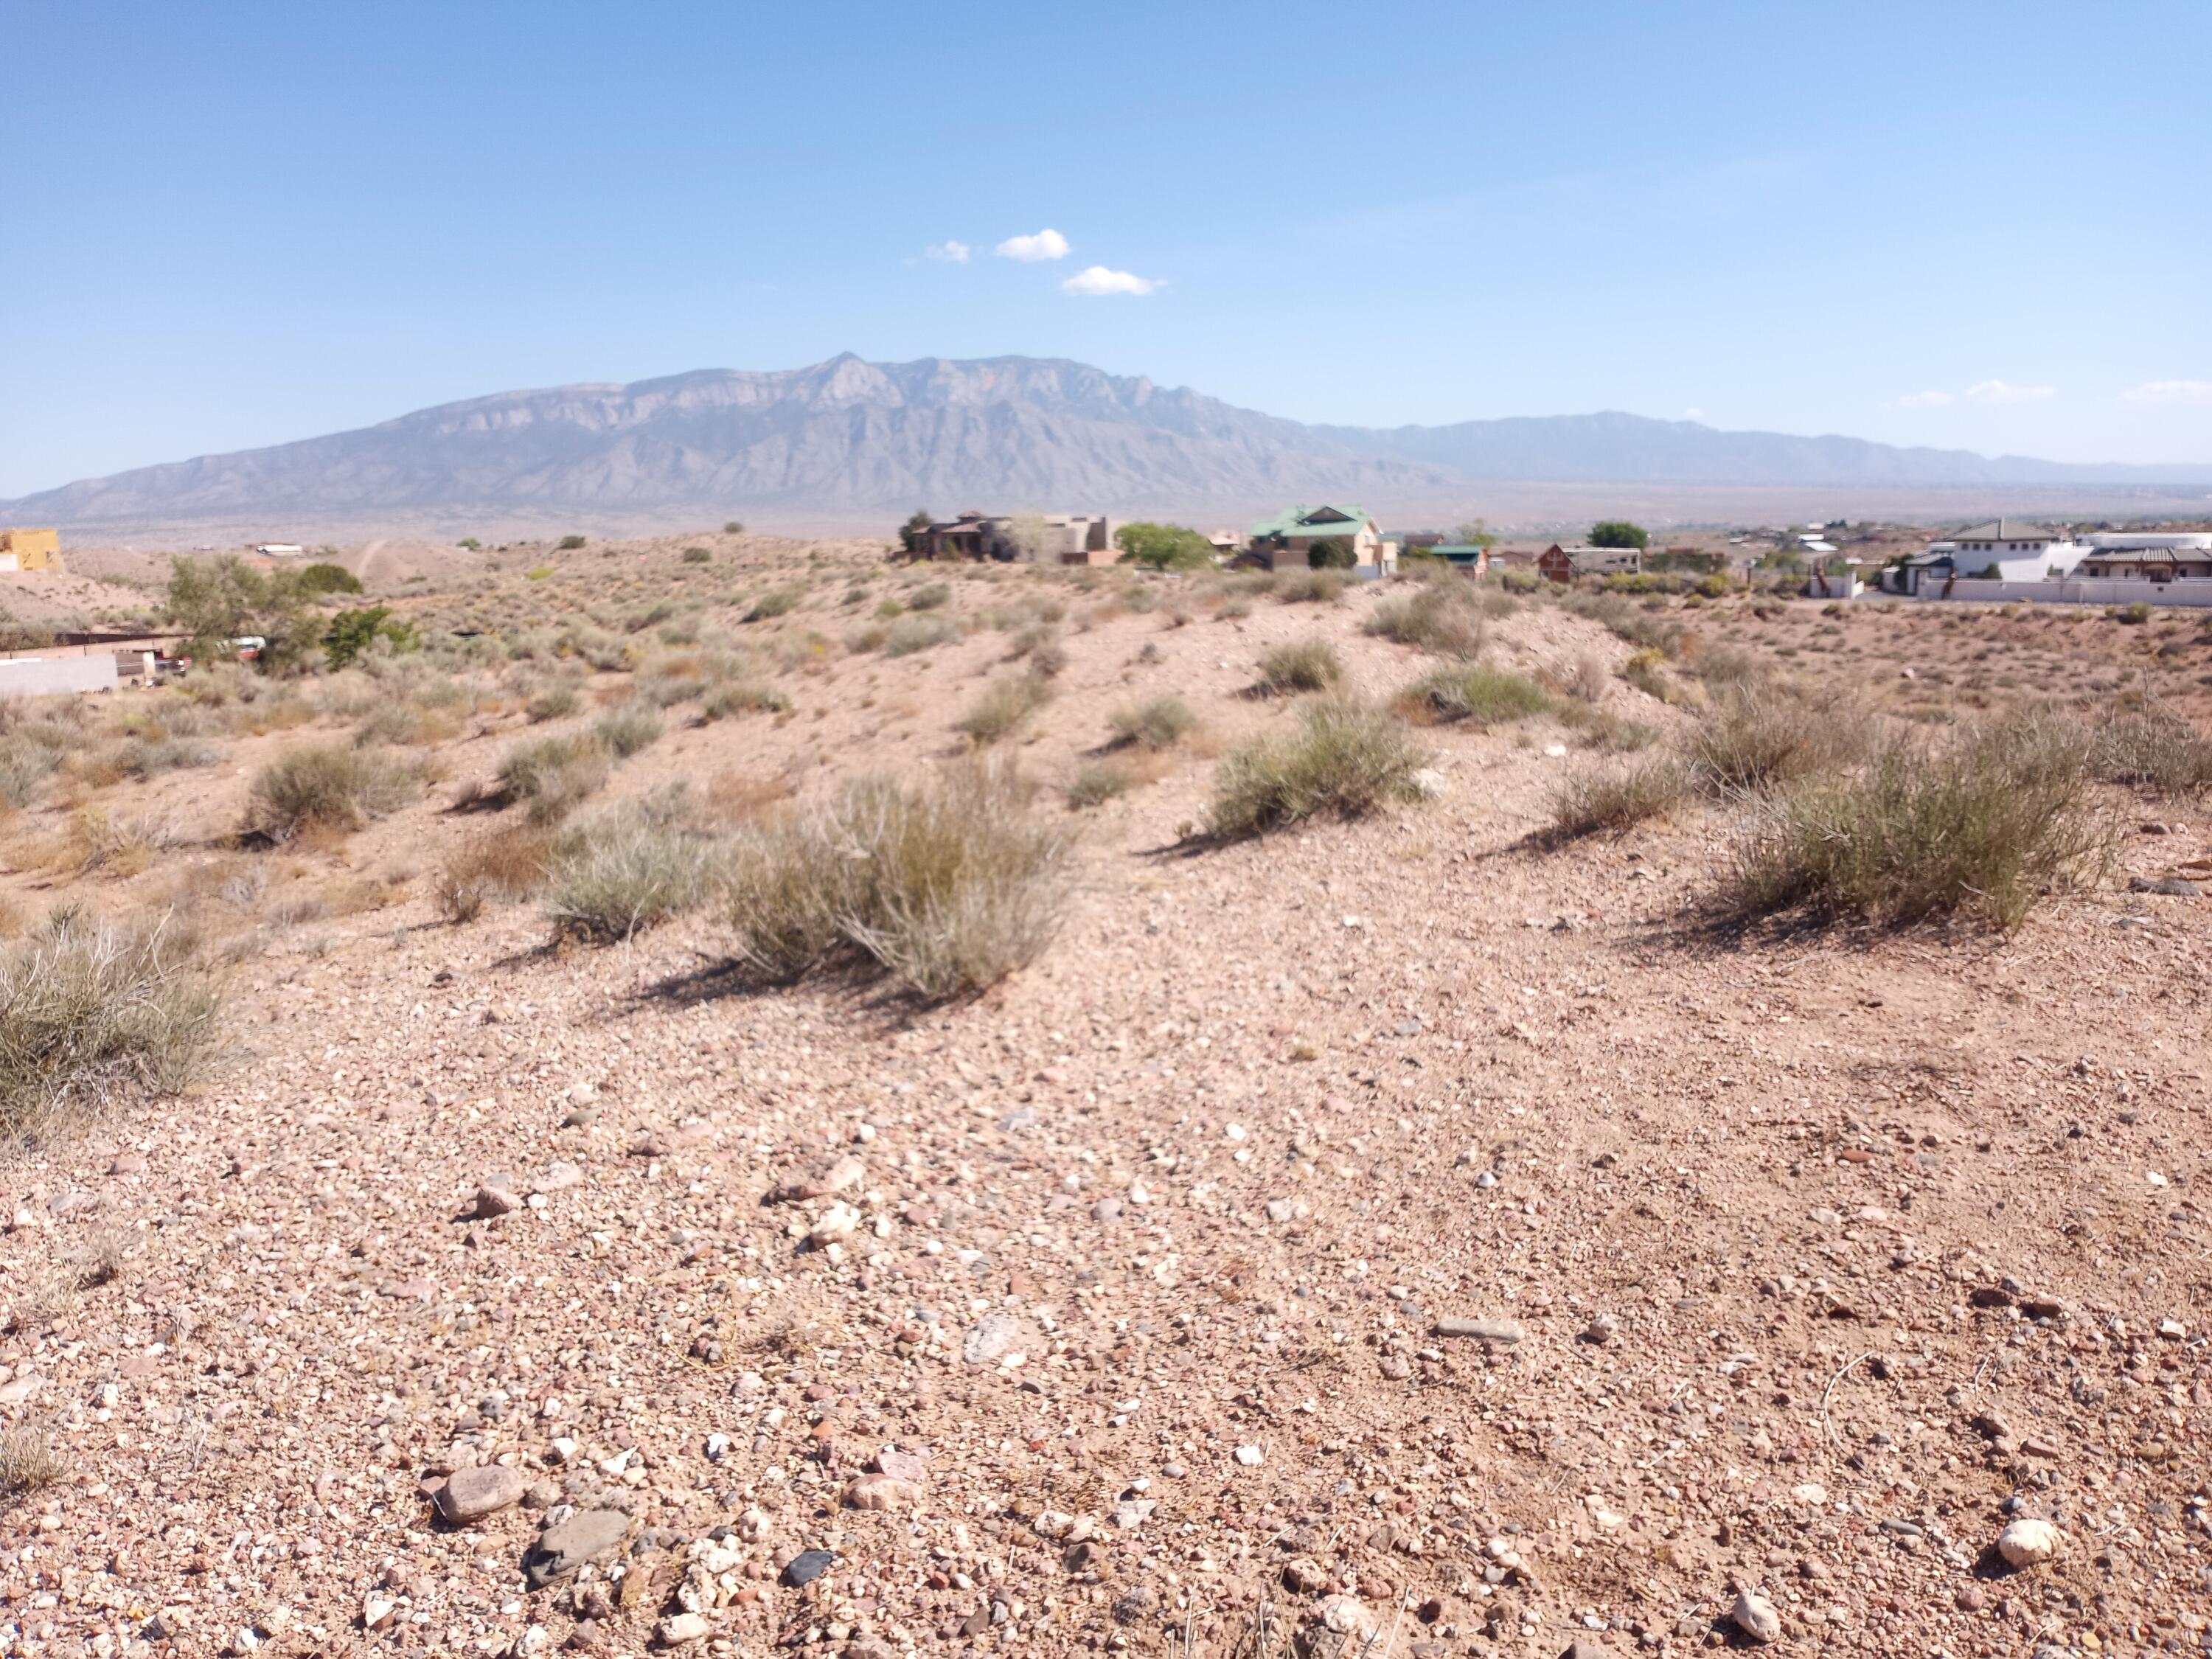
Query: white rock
{"points": [[2026, 1542], [1250, 1456], [1428, 783], [1345, 1614], [675, 1631], [1755, 1615], [376, 1612], [839, 1222]]}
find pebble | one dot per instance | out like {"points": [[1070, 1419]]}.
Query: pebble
{"points": [[880, 1491], [679, 1628], [1427, 783], [1755, 1616], [2026, 1542], [1487, 1330], [990, 1338], [492, 1202], [900, 1465], [1280, 1209], [471, 1494], [1250, 1456], [562, 1549], [806, 1566], [837, 1223]]}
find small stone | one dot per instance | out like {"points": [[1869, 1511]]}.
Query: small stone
{"points": [[127, 1164], [1583, 1647], [1304, 1577], [1250, 1456], [1601, 1329], [1755, 1615], [1971, 1598], [2027, 1543], [679, 1628], [880, 1491], [900, 1465], [990, 1338], [1486, 1330], [1280, 1209], [492, 1202], [1344, 1614], [1426, 783], [471, 1494], [836, 1224], [1106, 1209], [806, 1566], [376, 1612], [562, 1549], [1396, 1367]]}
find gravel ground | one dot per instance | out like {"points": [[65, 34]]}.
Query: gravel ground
{"points": [[1384, 1238]]}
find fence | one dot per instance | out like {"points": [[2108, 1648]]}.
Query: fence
{"points": [[2087, 590]]}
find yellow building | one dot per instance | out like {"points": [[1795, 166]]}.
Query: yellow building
{"points": [[30, 550]]}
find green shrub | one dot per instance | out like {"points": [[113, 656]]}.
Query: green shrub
{"points": [[625, 872], [911, 634], [1346, 759], [149, 757], [1157, 723], [89, 1008], [1003, 704], [946, 886], [1986, 824], [326, 578], [570, 543], [2134, 615], [328, 785], [1487, 696], [2156, 750], [1299, 665], [27, 761], [629, 729], [1097, 782], [550, 776], [1609, 799], [352, 633], [697, 555], [554, 702], [928, 597], [776, 602], [734, 527], [1439, 616]]}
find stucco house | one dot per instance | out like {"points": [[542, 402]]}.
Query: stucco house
{"points": [[2011, 550], [1288, 540], [30, 550]]}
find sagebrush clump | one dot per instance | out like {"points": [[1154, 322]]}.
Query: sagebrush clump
{"points": [[1346, 758], [330, 786]]}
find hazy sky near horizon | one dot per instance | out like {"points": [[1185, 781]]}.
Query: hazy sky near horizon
{"points": [[1978, 225]]}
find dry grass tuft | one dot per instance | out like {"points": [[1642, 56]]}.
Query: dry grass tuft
{"points": [[2154, 750], [508, 864], [1986, 825], [947, 886], [1439, 616], [1612, 799], [333, 787], [28, 1461], [1749, 743], [1157, 723], [551, 775], [89, 1008], [1003, 706], [1346, 757], [1486, 696], [628, 870], [1299, 665]]}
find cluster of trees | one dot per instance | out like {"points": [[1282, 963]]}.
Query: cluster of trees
{"points": [[1163, 546], [216, 601], [1619, 532]]}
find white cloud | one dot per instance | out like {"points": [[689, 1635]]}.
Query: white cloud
{"points": [[1099, 280], [949, 252], [1924, 400], [1694, 414], [2169, 392], [1045, 245], [2003, 392]]}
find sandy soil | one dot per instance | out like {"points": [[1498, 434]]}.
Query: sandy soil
{"points": [[1809, 1262]]}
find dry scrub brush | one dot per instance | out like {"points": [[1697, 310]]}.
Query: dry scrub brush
{"points": [[1439, 616], [630, 869], [1611, 800], [1346, 758], [1986, 824], [1486, 696], [550, 776], [330, 787], [1750, 742], [88, 1008], [2156, 750], [1157, 723], [1299, 665], [1003, 706], [947, 886]]}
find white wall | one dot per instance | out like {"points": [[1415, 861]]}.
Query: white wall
{"points": [[46, 677], [2075, 590]]}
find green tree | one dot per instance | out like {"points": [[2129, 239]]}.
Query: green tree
{"points": [[1474, 533], [1333, 553], [570, 543], [1162, 546], [909, 533], [734, 527], [1619, 532], [327, 578], [353, 632], [216, 601]]}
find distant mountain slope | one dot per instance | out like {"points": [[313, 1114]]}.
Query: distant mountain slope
{"points": [[1616, 449], [849, 436]]}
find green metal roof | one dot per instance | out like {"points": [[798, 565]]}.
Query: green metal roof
{"points": [[1292, 521]]}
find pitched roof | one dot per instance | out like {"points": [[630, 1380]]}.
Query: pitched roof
{"points": [[1323, 521], [2004, 530]]}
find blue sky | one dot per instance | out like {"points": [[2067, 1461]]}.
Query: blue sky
{"points": [[1969, 225]]}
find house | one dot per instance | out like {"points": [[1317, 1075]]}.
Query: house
{"points": [[1564, 564], [2155, 556], [1466, 556], [30, 550], [1288, 540], [2010, 551], [1037, 537]]}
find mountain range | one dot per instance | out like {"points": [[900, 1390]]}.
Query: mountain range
{"points": [[847, 437]]}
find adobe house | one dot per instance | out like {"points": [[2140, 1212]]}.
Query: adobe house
{"points": [[30, 550], [1286, 542]]}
